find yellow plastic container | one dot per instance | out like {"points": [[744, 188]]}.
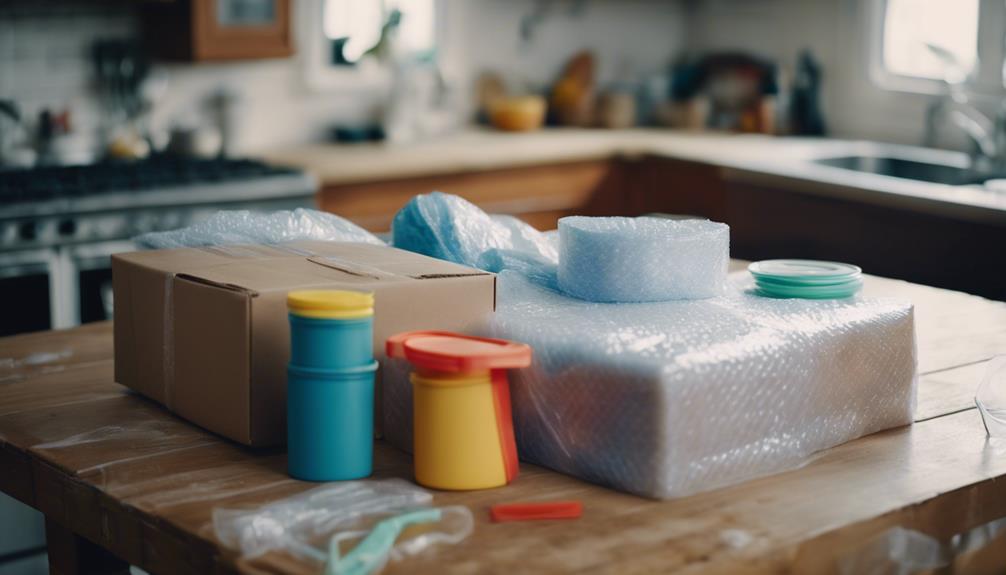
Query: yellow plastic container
{"points": [[462, 424], [456, 440]]}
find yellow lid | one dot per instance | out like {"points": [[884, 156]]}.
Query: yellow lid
{"points": [[330, 304]]}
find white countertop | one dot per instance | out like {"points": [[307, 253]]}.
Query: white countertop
{"points": [[772, 161]]}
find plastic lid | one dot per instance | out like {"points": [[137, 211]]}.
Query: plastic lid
{"points": [[456, 353], [807, 279], [330, 304], [803, 268]]}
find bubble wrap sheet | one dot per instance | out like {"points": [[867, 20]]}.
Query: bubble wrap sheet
{"points": [[247, 227], [672, 398], [642, 259]]}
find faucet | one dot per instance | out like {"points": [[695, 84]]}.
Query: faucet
{"points": [[988, 136]]}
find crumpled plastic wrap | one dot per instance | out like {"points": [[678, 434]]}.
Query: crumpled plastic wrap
{"points": [[642, 259], [668, 399], [991, 398], [247, 227], [304, 524], [452, 228], [901, 551]]}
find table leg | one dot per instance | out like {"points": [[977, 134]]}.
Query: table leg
{"points": [[71, 554]]}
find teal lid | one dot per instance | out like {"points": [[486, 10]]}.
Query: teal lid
{"points": [[814, 282], [806, 279], [803, 269]]}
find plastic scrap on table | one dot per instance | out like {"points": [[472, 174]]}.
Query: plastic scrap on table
{"points": [[247, 227], [904, 551], [536, 511], [642, 259], [377, 546], [991, 397], [309, 524]]}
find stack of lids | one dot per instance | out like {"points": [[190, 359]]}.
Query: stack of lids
{"points": [[806, 279]]}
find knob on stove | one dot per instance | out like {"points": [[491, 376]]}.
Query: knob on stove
{"points": [[67, 228], [28, 231]]}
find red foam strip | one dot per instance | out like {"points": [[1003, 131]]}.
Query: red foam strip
{"points": [[535, 511]]}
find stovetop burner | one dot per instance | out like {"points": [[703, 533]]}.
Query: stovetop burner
{"points": [[156, 173]]}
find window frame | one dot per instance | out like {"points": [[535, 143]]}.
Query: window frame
{"points": [[322, 76], [987, 76]]}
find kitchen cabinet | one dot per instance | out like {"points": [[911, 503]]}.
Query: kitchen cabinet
{"points": [[771, 222], [539, 195], [782, 221], [671, 186], [209, 30]]}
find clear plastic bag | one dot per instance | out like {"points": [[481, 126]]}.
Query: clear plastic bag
{"points": [[901, 551], [247, 227], [991, 398], [318, 524]]}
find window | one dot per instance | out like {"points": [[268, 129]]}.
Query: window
{"points": [[342, 32], [354, 26], [933, 39]]}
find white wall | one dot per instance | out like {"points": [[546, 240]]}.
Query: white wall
{"points": [[838, 32], [45, 56], [44, 62], [635, 36]]}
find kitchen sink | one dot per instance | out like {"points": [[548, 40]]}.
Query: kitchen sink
{"points": [[902, 168]]}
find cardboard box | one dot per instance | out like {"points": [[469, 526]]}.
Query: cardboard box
{"points": [[205, 331]]}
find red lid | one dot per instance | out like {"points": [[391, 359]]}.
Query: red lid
{"points": [[456, 353]]}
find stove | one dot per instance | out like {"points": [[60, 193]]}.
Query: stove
{"points": [[59, 225]]}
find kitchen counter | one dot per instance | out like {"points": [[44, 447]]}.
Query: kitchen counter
{"points": [[782, 161], [119, 478]]}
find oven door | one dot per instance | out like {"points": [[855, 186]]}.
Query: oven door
{"points": [[26, 283], [92, 266]]}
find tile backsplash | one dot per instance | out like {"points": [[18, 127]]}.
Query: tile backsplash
{"points": [[45, 58]]}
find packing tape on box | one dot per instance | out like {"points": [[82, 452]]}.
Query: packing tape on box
{"points": [[168, 344], [642, 259]]}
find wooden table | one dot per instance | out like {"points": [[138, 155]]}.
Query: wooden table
{"points": [[118, 478]]}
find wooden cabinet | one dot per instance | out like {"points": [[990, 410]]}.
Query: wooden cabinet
{"points": [[769, 222], [208, 30], [539, 195], [680, 187]]}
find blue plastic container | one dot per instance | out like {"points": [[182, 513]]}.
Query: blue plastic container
{"points": [[330, 422], [322, 343], [330, 385]]}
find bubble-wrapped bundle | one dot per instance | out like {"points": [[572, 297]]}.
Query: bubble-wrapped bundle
{"points": [[452, 228], [642, 259], [668, 399], [247, 227]]}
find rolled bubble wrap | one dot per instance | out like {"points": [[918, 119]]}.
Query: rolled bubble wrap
{"points": [[642, 259]]}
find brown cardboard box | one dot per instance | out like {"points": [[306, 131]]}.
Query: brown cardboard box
{"points": [[205, 332]]}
